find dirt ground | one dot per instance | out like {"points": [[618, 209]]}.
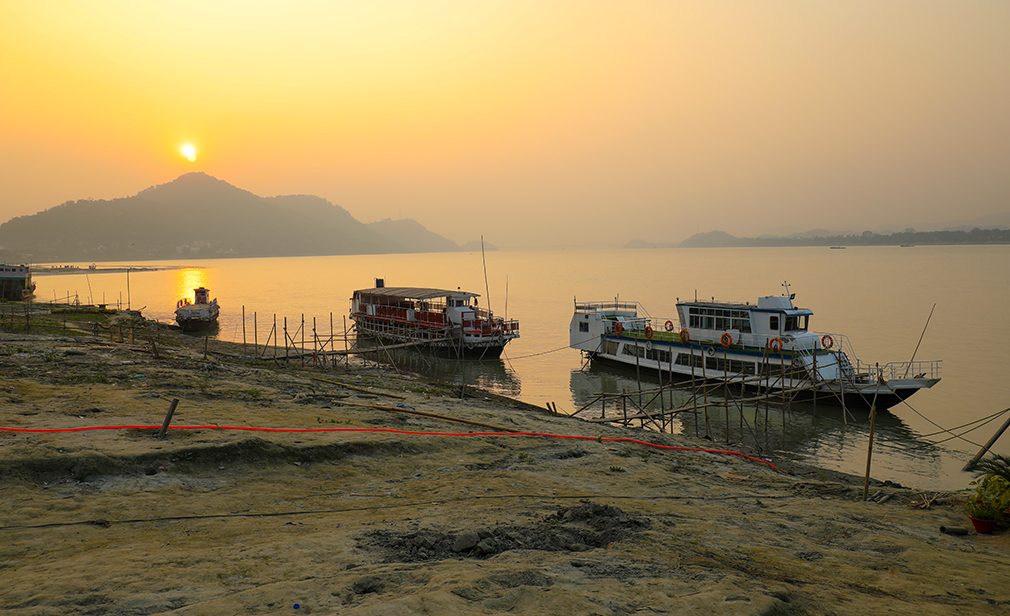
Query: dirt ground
{"points": [[213, 522]]}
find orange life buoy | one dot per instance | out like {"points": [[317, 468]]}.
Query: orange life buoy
{"points": [[685, 337], [827, 341], [726, 340], [668, 326], [775, 344], [618, 328], [648, 332]]}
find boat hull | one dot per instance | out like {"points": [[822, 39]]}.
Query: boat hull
{"points": [[439, 348], [16, 289], [196, 324], [197, 317], [444, 341], [831, 393]]}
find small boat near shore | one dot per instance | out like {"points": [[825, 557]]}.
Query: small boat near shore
{"points": [[199, 315], [16, 282], [765, 347], [440, 319]]}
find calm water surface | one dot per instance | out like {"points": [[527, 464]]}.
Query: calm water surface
{"points": [[878, 296]]}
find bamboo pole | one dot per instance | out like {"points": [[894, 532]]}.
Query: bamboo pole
{"points": [[725, 388], [347, 347], [992, 441], [869, 448]]}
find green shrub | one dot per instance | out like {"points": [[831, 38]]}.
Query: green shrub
{"points": [[991, 500]]}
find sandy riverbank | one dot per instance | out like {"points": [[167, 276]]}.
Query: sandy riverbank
{"points": [[234, 522]]}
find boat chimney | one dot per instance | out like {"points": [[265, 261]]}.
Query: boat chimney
{"points": [[380, 283]]}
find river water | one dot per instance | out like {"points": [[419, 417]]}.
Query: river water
{"points": [[879, 296]]}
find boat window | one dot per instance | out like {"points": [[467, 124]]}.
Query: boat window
{"points": [[796, 323], [686, 359], [729, 365], [773, 322], [583, 326]]}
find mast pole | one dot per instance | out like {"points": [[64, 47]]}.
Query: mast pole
{"points": [[487, 290]]}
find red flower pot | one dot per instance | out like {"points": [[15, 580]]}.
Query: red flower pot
{"points": [[982, 527]]}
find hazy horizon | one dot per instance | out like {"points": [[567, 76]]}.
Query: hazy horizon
{"points": [[534, 124]]}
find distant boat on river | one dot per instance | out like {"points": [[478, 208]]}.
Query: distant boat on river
{"points": [[201, 314]]}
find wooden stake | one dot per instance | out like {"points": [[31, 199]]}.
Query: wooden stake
{"points": [[168, 418], [869, 448], [347, 347]]}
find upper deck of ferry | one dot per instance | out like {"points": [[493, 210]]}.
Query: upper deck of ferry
{"points": [[429, 307]]}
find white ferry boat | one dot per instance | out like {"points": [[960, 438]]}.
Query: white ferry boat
{"points": [[16, 282], [767, 346], [201, 314], [449, 321]]}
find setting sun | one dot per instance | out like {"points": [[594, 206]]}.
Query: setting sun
{"points": [[188, 152]]}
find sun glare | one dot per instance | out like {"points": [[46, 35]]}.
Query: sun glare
{"points": [[188, 152]]}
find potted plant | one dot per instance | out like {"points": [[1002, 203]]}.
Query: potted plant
{"points": [[989, 507]]}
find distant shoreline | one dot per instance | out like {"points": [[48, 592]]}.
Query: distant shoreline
{"points": [[721, 239], [49, 270]]}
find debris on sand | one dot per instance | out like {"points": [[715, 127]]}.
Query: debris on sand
{"points": [[583, 527]]}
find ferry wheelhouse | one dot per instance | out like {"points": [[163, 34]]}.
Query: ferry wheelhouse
{"points": [[16, 282], [767, 346], [449, 321]]}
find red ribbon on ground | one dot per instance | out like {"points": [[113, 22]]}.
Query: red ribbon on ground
{"points": [[576, 437]]}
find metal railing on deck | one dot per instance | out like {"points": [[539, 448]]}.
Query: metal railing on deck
{"points": [[928, 368], [604, 306]]}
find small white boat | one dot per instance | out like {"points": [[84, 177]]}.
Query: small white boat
{"points": [[201, 314], [766, 346]]}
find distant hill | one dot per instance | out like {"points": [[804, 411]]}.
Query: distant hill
{"points": [[721, 239], [407, 232], [197, 215]]}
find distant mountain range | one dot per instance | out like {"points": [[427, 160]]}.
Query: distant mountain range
{"points": [[721, 239], [197, 215]]}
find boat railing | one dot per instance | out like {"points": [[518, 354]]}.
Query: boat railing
{"points": [[606, 306], [920, 368], [485, 327]]}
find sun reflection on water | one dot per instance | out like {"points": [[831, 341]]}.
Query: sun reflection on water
{"points": [[189, 279]]}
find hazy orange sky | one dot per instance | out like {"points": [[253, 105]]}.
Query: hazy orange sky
{"points": [[534, 123]]}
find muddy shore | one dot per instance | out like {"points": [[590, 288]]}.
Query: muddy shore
{"points": [[228, 522]]}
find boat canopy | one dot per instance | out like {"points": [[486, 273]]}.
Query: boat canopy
{"points": [[421, 293]]}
